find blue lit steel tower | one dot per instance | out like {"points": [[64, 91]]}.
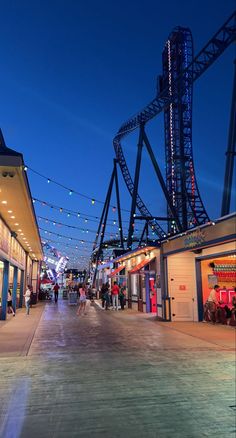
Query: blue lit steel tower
{"points": [[180, 176]]}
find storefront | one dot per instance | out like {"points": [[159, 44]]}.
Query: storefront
{"points": [[20, 245], [140, 274], [103, 272], [119, 276], [193, 263]]}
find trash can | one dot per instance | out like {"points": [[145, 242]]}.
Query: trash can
{"points": [[72, 298], [64, 294]]}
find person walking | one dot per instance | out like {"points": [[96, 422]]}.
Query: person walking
{"points": [[27, 299], [82, 301], [9, 303], [115, 295], [56, 289]]}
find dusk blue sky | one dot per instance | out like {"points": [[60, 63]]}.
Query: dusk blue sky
{"points": [[73, 71]]}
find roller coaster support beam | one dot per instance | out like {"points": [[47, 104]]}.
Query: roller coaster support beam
{"points": [[230, 154], [103, 223], [151, 218], [145, 229], [118, 204], [162, 182], [135, 191], [100, 224]]}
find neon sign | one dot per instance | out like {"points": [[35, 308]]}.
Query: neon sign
{"points": [[194, 239]]}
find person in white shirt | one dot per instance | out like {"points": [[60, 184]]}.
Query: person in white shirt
{"points": [[27, 299], [212, 302], [9, 302]]}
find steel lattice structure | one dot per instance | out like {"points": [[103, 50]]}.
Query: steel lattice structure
{"points": [[180, 176], [189, 207]]}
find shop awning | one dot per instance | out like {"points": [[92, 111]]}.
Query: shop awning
{"points": [[116, 271], [46, 281], [140, 265]]}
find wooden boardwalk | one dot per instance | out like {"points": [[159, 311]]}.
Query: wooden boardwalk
{"points": [[111, 374]]}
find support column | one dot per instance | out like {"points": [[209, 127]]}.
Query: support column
{"points": [[105, 213], [161, 180], [118, 205], [14, 289], [135, 191], [5, 290], [22, 276], [164, 295], [230, 154]]}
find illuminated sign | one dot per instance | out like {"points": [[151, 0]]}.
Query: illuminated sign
{"points": [[61, 264], [50, 260], [194, 239]]}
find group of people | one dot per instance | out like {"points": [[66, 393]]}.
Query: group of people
{"points": [[213, 307], [83, 292], [112, 296], [27, 296]]}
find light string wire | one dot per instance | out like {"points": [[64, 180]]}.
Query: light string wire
{"points": [[86, 230], [66, 237], [71, 191], [73, 212]]}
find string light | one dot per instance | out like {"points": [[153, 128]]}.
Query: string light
{"points": [[62, 235], [70, 191], [72, 212], [43, 239], [65, 225]]}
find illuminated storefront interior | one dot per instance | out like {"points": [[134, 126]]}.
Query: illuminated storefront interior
{"points": [[20, 244]]}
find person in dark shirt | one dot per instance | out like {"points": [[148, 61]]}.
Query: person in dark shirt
{"points": [[56, 289]]}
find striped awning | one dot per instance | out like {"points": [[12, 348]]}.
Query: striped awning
{"points": [[116, 271], [141, 265]]}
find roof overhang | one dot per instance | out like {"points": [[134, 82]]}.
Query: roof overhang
{"points": [[135, 253], [16, 207]]}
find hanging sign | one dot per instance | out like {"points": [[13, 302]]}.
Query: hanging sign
{"points": [[194, 239]]}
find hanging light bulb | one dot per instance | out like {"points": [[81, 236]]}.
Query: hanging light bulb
{"points": [[49, 181], [70, 192], [93, 201], [25, 168], [114, 209], [61, 210]]}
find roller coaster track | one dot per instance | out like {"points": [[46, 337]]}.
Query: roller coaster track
{"points": [[223, 38]]}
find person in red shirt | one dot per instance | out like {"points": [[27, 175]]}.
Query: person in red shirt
{"points": [[56, 289], [115, 295]]}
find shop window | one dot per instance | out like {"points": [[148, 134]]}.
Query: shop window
{"points": [[18, 288], [1, 280]]}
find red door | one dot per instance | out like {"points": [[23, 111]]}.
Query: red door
{"points": [[153, 295]]}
